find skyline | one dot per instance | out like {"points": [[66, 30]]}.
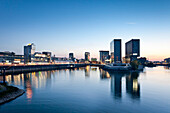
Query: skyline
{"points": [[85, 26]]}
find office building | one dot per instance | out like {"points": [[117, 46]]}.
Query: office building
{"points": [[10, 57], [48, 55], [112, 47], [7, 56], [132, 48], [71, 56], [29, 51], [54, 59], [39, 57], [167, 60], [112, 51], [116, 50], [87, 56], [104, 55], [44, 57]]}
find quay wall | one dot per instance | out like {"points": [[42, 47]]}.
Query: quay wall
{"points": [[34, 68]]}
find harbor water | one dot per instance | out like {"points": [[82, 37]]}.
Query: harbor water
{"points": [[91, 90]]}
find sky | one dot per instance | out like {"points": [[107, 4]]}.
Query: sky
{"points": [[78, 26]]}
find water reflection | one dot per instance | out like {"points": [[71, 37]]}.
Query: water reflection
{"points": [[35, 80], [58, 91], [94, 68], [132, 84], [104, 74], [28, 86], [116, 83], [166, 67], [71, 72], [29, 81], [87, 71]]}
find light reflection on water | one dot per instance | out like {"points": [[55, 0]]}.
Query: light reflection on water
{"points": [[87, 89], [166, 67], [132, 84]]}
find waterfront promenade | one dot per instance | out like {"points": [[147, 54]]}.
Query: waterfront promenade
{"points": [[22, 68]]}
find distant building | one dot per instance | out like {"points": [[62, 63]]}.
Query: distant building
{"points": [[29, 51], [112, 51], [104, 55], [81, 60], [132, 48], [10, 57], [18, 59], [87, 56], [167, 60], [142, 60], [7, 53], [48, 55], [7, 56], [39, 57], [116, 50], [71, 56], [112, 57], [93, 59], [112, 47], [60, 59]]}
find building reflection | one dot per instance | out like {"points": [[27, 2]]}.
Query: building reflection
{"points": [[116, 83], [94, 68], [104, 74], [48, 79], [132, 85], [28, 86], [166, 67], [77, 68], [71, 72], [30, 81], [87, 71], [34, 80]]}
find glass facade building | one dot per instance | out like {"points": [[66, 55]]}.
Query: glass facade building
{"points": [[116, 50], [132, 49]]}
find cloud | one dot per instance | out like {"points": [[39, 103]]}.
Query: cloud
{"points": [[131, 23]]}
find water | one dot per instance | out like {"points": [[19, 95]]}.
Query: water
{"points": [[91, 90]]}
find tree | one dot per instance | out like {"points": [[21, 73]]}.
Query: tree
{"points": [[134, 64]]}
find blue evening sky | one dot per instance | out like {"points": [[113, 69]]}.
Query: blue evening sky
{"points": [[63, 26]]}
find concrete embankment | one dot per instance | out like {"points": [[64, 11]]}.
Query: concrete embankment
{"points": [[34, 68], [10, 93]]}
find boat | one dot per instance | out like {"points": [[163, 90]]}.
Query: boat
{"points": [[117, 67]]}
